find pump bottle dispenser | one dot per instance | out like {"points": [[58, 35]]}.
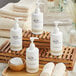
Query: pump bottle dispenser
{"points": [[37, 20], [16, 37], [32, 57], [56, 40]]}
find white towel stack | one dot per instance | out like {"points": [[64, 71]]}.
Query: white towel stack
{"points": [[22, 9]]}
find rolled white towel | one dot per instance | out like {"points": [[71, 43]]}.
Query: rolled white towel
{"points": [[59, 70], [48, 69]]}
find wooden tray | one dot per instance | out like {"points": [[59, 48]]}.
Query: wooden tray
{"points": [[68, 57], [9, 72], [43, 41]]}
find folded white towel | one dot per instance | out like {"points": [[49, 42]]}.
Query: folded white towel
{"points": [[5, 34], [13, 17], [13, 13], [25, 6], [8, 10], [6, 23], [12, 10], [21, 10]]}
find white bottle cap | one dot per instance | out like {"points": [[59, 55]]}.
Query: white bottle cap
{"points": [[56, 29], [32, 45]]}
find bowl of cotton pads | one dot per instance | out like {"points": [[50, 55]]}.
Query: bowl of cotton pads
{"points": [[16, 64]]}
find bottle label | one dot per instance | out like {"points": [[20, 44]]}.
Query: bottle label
{"points": [[16, 39], [37, 22], [56, 43], [32, 60]]}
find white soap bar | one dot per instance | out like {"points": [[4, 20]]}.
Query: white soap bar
{"points": [[48, 69], [59, 70], [16, 61]]}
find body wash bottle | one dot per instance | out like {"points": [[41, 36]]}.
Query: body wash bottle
{"points": [[56, 41], [37, 20], [32, 57], [16, 37]]}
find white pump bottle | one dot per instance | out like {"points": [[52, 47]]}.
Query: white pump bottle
{"points": [[37, 20], [32, 57], [16, 37], [56, 40]]}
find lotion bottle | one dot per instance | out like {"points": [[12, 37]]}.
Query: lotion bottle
{"points": [[56, 40], [32, 57], [16, 37], [37, 20]]}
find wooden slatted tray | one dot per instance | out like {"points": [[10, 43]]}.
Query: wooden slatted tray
{"points": [[68, 56], [43, 41]]}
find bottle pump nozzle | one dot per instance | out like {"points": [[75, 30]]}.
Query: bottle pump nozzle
{"points": [[17, 22], [33, 38], [32, 45], [57, 22], [38, 4], [56, 26], [16, 19]]}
